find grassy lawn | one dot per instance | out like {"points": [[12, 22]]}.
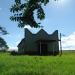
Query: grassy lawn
{"points": [[37, 65]]}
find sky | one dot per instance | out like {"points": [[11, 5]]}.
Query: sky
{"points": [[60, 16]]}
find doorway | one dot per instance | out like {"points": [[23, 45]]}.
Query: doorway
{"points": [[43, 48]]}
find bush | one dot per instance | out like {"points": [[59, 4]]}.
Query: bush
{"points": [[14, 53], [3, 50]]}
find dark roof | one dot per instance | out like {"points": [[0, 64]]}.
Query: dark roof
{"points": [[45, 37], [42, 30], [23, 40]]}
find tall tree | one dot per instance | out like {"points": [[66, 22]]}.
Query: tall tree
{"points": [[3, 44], [24, 12]]}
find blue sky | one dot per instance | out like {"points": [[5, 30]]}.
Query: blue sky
{"points": [[59, 16]]}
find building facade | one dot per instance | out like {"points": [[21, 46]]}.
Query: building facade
{"points": [[40, 43]]}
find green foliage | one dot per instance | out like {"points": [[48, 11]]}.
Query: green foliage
{"points": [[3, 31], [3, 44], [37, 65], [24, 12]]}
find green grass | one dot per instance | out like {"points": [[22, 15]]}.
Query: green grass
{"points": [[37, 65]]}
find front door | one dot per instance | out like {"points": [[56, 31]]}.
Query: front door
{"points": [[43, 48]]}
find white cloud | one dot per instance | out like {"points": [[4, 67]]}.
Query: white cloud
{"points": [[17, 42], [68, 42], [28, 27], [11, 48]]}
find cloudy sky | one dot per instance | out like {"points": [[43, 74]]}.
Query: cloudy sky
{"points": [[60, 16]]}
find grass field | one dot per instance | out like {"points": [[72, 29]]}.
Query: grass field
{"points": [[37, 65]]}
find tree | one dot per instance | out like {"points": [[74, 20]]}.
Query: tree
{"points": [[3, 31], [3, 44], [24, 12]]}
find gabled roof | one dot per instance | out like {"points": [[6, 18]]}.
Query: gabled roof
{"points": [[23, 40], [42, 31], [41, 35], [38, 31]]}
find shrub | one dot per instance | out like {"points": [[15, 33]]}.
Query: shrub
{"points": [[14, 53]]}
